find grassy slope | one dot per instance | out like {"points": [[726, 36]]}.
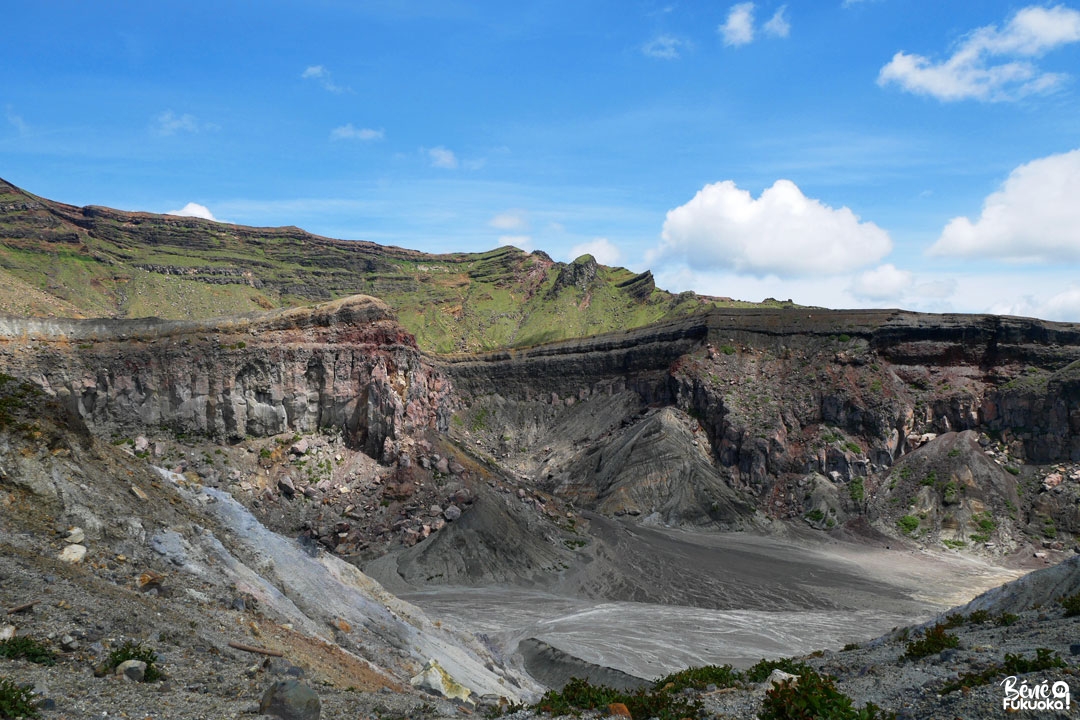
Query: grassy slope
{"points": [[101, 262]]}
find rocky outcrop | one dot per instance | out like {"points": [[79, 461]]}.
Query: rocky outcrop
{"points": [[803, 411], [345, 365]]}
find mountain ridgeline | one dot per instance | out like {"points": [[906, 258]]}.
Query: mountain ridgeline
{"points": [[60, 260]]}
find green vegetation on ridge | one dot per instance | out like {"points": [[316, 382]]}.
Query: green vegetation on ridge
{"points": [[99, 262]]}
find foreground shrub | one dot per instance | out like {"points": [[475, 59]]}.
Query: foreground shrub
{"points": [[761, 671], [16, 700], [27, 648], [700, 678], [1013, 665], [933, 641], [815, 697], [135, 651], [580, 695]]}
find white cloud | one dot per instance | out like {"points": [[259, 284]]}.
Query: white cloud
{"points": [[194, 210], [778, 25], [991, 64], [509, 220], [1035, 216], [782, 233], [885, 282], [664, 47], [738, 29], [15, 119], [605, 251], [321, 75], [1063, 306], [349, 132], [442, 158], [169, 123], [522, 242]]}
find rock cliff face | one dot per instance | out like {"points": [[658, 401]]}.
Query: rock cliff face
{"points": [[345, 365], [803, 414], [723, 419]]}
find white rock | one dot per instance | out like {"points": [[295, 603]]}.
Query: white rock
{"points": [[7, 632], [778, 676], [76, 535], [73, 554], [132, 670]]}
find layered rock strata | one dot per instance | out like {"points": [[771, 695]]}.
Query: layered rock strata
{"points": [[345, 365]]}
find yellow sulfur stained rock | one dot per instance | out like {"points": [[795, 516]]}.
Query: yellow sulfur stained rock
{"points": [[434, 679]]}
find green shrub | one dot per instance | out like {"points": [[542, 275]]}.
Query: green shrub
{"points": [[933, 641], [853, 446], [1012, 470], [1071, 604], [479, 421], [954, 544], [699, 678], [908, 524], [844, 338], [1005, 619], [727, 349], [857, 489], [1013, 665], [135, 651], [930, 479], [815, 516], [16, 700], [950, 493], [761, 670], [579, 695], [985, 522], [814, 697], [27, 648]]}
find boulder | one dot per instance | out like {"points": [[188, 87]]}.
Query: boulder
{"points": [[134, 670], [73, 554], [290, 700]]}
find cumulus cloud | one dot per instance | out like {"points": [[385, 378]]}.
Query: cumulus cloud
{"points": [[1034, 216], [442, 158], [603, 250], [522, 242], [170, 123], [194, 210], [885, 282], [778, 25], [509, 220], [738, 29], [664, 47], [783, 233], [1063, 306], [321, 75], [349, 132], [991, 64]]}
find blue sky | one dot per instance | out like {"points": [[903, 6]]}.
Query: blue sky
{"points": [[844, 153]]}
